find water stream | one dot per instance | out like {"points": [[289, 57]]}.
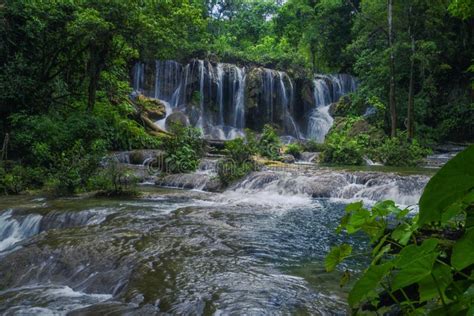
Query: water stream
{"points": [[257, 248]]}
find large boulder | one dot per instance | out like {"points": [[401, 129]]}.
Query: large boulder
{"points": [[154, 109], [287, 158], [176, 118]]}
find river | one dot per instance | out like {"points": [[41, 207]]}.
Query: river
{"points": [[257, 248]]}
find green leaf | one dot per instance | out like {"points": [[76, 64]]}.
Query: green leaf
{"points": [[357, 219], [463, 251], [428, 287], [368, 283], [384, 250], [336, 256], [403, 233], [354, 206], [415, 263], [452, 182], [385, 207], [346, 276]]}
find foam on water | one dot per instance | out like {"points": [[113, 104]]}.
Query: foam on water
{"points": [[14, 230], [59, 300]]}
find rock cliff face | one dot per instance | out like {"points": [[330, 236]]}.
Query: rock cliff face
{"points": [[223, 99]]}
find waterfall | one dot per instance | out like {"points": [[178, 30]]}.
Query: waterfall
{"points": [[238, 92], [220, 111], [267, 87], [220, 92], [200, 123], [286, 106], [327, 90], [138, 76]]}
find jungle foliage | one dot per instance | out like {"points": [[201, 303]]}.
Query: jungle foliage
{"points": [[420, 263]]}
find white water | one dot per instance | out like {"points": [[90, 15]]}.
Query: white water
{"points": [[59, 300], [14, 230], [220, 112], [327, 90], [279, 187]]}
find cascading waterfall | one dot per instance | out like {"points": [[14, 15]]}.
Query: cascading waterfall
{"points": [[213, 96], [220, 92], [327, 90], [287, 106], [138, 76], [267, 87], [200, 123], [238, 88]]}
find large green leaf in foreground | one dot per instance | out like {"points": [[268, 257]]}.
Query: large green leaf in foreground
{"points": [[452, 182]]}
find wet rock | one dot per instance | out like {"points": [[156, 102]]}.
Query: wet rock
{"points": [[287, 158], [154, 109], [197, 181], [138, 157], [309, 156], [253, 87]]}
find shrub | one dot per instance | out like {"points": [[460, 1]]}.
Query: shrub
{"points": [[397, 151], [341, 150], [238, 162], [239, 150], [269, 143], [313, 146], [72, 168], [17, 178], [294, 150], [114, 179], [183, 149]]}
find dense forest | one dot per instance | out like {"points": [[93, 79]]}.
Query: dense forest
{"points": [[257, 84]]}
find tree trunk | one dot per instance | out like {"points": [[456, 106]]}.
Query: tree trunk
{"points": [[96, 64], [411, 92], [392, 102]]}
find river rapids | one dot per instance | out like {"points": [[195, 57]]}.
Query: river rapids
{"points": [[258, 248]]}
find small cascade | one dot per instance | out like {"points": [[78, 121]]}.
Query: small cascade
{"points": [[327, 90], [15, 229], [367, 186]]}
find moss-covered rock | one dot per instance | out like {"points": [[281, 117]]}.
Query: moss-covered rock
{"points": [[154, 109], [341, 107], [253, 88], [176, 118]]}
